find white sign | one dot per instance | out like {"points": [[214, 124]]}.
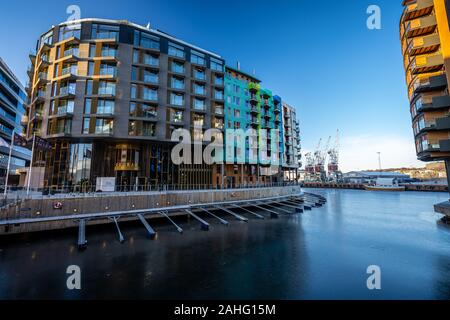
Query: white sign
{"points": [[106, 184]]}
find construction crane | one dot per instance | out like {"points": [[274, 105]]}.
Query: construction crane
{"points": [[333, 165]]}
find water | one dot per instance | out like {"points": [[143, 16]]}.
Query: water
{"points": [[321, 254]]}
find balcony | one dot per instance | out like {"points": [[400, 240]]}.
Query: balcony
{"points": [[443, 123], [417, 9], [426, 63], [254, 110], [432, 103], [254, 99], [41, 78], [219, 112], [66, 91], [423, 45], [420, 26], [432, 83], [254, 87], [72, 52], [69, 72]]}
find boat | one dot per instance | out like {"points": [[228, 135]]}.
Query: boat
{"points": [[385, 184]]}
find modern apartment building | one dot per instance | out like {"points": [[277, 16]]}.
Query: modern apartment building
{"points": [[109, 94], [425, 39], [12, 107], [249, 106]]}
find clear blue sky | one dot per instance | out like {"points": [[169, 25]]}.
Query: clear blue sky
{"points": [[320, 58]]}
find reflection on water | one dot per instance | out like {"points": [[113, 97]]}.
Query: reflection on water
{"points": [[322, 254]]}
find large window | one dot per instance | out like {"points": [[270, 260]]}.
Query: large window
{"points": [[199, 89], [176, 50], [177, 67], [176, 99], [199, 74], [198, 120], [197, 58], [199, 104], [177, 83], [145, 40], [149, 94], [103, 126], [109, 51], [72, 31], [107, 88], [105, 106], [176, 116], [216, 65], [100, 31], [151, 60], [107, 69], [150, 77]]}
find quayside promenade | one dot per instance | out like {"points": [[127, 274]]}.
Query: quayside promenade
{"points": [[51, 212]]}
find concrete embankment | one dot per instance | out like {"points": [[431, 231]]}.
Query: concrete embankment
{"points": [[18, 217]]}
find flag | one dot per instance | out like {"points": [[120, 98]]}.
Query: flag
{"points": [[20, 141], [42, 144]]}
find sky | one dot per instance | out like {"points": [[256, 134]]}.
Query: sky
{"points": [[322, 59]]}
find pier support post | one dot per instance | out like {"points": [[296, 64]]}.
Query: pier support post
{"points": [[151, 233], [82, 242]]}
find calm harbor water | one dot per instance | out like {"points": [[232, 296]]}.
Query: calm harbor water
{"points": [[321, 254]]}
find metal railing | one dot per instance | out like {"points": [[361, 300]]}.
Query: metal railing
{"points": [[15, 194]]}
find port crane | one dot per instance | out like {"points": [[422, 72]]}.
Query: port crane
{"points": [[334, 174]]}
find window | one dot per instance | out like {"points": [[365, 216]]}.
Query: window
{"points": [[198, 121], [86, 123], [91, 68], [132, 128], [199, 104], [87, 106], [107, 69], [177, 83], [136, 56], [100, 31], [218, 94], [177, 67], [89, 85], [92, 49], [148, 129], [133, 111], [105, 106], [199, 89], [216, 65], [135, 73], [176, 50], [199, 74], [149, 94], [149, 111], [72, 31], [103, 126], [176, 99], [218, 80], [176, 116], [150, 77], [151, 60], [46, 39], [134, 91], [109, 51], [237, 101], [65, 106], [197, 58], [71, 51], [145, 40], [237, 113], [106, 88]]}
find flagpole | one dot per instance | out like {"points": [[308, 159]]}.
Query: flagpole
{"points": [[9, 161], [31, 164]]}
